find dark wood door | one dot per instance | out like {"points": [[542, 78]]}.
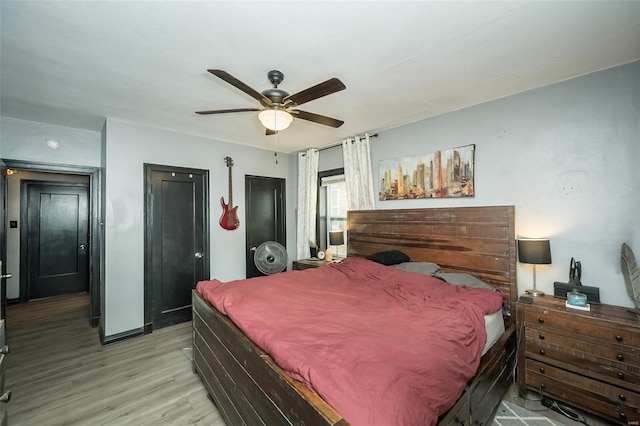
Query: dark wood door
{"points": [[57, 239], [265, 215], [176, 242]]}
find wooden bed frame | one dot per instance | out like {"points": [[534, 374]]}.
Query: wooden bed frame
{"points": [[249, 388]]}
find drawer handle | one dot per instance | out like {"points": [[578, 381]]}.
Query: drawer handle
{"points": [[623, 415], [6, 397], [541, 351], [619, 357], [620, 375], [542, 370], [622, 398], [541, 337], [541, 320], [618, 338]]}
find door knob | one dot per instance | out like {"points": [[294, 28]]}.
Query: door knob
{"points": [[82, 247], [199, 255]]}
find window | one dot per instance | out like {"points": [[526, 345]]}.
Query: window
{"points": [[332, 209]]}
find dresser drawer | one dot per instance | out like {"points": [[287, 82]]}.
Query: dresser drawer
{"points": [[615, 366], [587, 327], [620, 405]]}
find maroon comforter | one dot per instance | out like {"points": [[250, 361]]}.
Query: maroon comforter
{"points": [[380, 345]]}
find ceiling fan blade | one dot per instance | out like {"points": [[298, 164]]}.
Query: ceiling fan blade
{"points": [[271, 132], [328, 87], [240, 85], [317, 118], [224, 111]]}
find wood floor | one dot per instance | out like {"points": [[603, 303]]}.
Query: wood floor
{"points": [[60, 375]]}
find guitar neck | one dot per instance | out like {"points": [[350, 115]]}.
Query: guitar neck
{"points": [[230, 190]]}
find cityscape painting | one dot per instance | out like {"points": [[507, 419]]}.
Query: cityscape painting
{"points": [[440, 174]]}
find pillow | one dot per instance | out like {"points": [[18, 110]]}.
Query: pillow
{"points": [[390, 257], [463, 279], [426, 268]]}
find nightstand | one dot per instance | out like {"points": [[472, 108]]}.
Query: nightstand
{"points": [[587, 359], [299, 265]]}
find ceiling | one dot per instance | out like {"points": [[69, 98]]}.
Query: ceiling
{"points": [[73, 63]]}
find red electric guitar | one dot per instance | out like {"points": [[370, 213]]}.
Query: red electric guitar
{"points": [[229, 219]]}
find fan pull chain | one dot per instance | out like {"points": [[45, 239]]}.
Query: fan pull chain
{"points": [[275, 151]]}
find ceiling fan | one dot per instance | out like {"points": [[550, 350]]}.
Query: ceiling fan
{"points": [[278, 106]]}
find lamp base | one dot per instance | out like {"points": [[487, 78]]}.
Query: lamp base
{"points": [[535, 293]]}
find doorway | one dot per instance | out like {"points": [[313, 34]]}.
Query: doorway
{"points": [[176, 242], [265, 215], [92, 176], [54, 239]]}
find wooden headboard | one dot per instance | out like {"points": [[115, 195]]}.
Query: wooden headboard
{"points": [[475, 240]]}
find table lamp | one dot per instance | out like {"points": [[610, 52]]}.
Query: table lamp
{"points": [[336, 238], [536, 252]]}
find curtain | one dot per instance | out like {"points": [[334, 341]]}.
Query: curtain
{"points": [[307, 201], [357, 173]]}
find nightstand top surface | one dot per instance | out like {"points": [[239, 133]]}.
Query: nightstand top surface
{"points": [[313, 261], [598, 310]]}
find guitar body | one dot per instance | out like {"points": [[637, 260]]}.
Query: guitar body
{"points": [[229, 219]]}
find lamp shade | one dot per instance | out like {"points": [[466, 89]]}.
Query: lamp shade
{"points": [[535, 251], [275, 119], [336, 238]]}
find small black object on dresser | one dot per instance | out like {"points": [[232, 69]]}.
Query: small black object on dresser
{"points": [[525, 299]]}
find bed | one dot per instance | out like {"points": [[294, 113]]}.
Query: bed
{"points": [[249, 387]]}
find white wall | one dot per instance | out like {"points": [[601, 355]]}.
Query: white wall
{"points": [[128, 146], [27, 141], [565, 155], [636, 239], [330, 158]]}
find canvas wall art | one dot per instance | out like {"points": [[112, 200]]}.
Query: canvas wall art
{"points": [[440, 174]]}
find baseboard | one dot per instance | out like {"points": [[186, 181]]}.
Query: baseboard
{"points": [[13, 301], [107, 340]]}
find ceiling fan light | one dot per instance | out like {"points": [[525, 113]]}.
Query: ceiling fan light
{"points": [[275, 119]]}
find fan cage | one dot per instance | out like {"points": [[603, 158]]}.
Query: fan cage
{"points": [[270, 257]]}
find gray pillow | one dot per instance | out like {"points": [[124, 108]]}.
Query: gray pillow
{"points": [[463, 279], [426, 268]]}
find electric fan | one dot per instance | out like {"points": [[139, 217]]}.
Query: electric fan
{"points": [[270, 257]]}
